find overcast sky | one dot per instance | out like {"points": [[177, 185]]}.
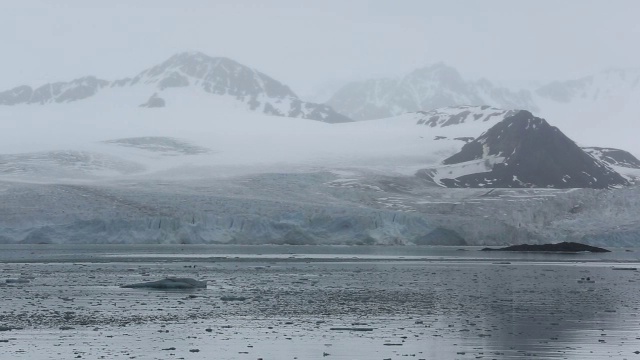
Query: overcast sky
{"points": [[307, 44]]}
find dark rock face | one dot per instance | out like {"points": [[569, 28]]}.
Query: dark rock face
{"points": [[566, 247], [58, 92], [614, 157], [535, 154], [154, 102], [312, 111], [19, 95], [441, 236]]}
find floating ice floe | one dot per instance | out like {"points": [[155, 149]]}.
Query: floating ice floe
{"points": [[170, 284]]}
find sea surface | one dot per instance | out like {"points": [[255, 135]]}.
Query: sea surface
{"points": [[317, 302]]}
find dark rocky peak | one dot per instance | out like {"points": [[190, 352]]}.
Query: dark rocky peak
{"points": [[217, 75], [506, 136], [531, 153], [58, 92]]}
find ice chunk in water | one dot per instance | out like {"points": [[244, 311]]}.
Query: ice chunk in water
{"points": [[170, 283]]}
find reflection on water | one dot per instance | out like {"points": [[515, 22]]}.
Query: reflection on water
{"points": [[525, 311], [431, 303]]}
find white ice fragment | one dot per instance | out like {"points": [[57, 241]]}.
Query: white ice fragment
{"points": [[170, 283]]}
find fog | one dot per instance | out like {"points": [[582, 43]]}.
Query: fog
{"points": [[314, 49], [311, 46]]}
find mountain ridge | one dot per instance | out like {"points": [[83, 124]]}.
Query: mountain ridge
{"points": [[423, 89], [600, 105], [214, 75]]}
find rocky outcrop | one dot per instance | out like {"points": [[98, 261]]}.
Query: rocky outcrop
{"points": [[154, 102], [563, 247]]}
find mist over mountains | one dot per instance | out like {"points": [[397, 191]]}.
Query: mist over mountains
{"points": [[200, 149], [598, 105], [424, 89], [435, 96], [593, 109], [440, 85]]}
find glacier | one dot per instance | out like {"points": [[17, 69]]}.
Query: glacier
{"points": [[252, 182], [313, 208], [208, 168]]}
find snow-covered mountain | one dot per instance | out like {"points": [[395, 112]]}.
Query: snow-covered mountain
{"points": [[128, 140], [197, 166], [423, 89], [211, 75], [465, 118], [602, 109], [597, 110], [614, 157], [524, 151], [608, 85], [466, 123]]}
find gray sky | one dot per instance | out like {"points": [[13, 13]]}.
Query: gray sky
{"points": [[307, 44]]}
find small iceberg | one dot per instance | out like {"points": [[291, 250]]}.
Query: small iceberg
{"points": [[171, 283], [17, 281]]}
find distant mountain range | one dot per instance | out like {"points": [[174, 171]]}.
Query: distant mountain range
{"points": [[213, 75], [600, 100], [423, 89], [596, 110], [485, 136], [440, 85], [603, 86]]}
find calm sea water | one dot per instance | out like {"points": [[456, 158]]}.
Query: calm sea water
{"points": [[417, 302], [110, 252]]}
